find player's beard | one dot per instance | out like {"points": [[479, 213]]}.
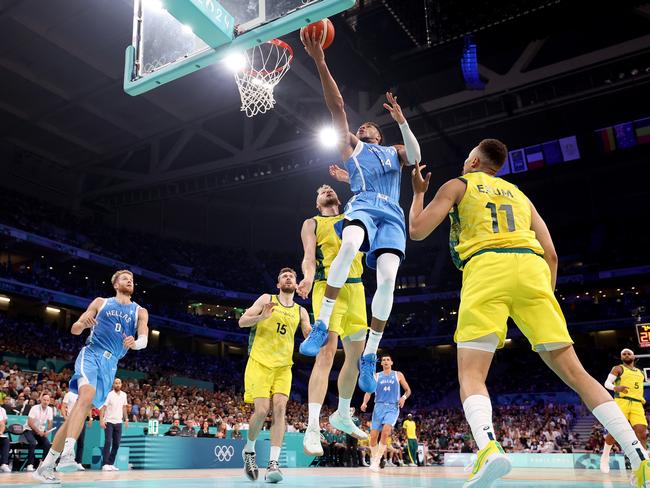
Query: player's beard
{"points": [[125, 290], [288, 288], [333, 200], [628, 361]]}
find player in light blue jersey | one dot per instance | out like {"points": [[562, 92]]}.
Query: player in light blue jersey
{"points": [[388, 401], [374, 221], [113, 324]]}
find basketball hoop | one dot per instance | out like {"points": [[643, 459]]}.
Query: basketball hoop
{"points": [[266, 64]]}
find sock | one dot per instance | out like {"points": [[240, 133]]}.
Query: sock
{"points": [[616, 424], [373, 342], [606, 450], [326, 308], [344, 406], [51, 457], [275, 453], [68, 447], [478, 412], [314, 416], [250, 445]]}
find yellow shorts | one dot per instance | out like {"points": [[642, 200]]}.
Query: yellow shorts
{"points": [[263, 382], [349, 314], [501, 285], [633, 411]]}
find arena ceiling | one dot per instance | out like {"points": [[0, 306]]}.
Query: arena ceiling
{"points": [[67, 126]]}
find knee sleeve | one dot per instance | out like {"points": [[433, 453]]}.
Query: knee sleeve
{"points": [[382, 301], [351, 242]]}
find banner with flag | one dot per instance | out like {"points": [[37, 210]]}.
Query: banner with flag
{"points": [[534, 157], [552, 152], [569, 147], [625, 135], [517, 161], [607, 139], [642, 130]]}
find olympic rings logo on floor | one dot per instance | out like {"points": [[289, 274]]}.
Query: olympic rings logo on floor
{"points": [[224, 453]]}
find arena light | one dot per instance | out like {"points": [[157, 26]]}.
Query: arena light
{"points": [[187, 30], [155, 332], [5, 299], [236, 62], [52, 310], [328, 137]]}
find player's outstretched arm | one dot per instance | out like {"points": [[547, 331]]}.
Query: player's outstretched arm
{"points": [[423, 221], [544, 237], [260, 310], [308, 237], [612, 377], [333, 97], [305, 325], [405, 386], [339, 174], [87, 319], [409, 153], [366, 399]]}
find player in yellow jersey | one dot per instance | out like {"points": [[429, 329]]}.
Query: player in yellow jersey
{"points": [[412, 439], [274, 320], [626, 382], [509, 267], [348, 321]]}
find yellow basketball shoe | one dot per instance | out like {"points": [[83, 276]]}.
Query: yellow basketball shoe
{"points": [[491, 464], [642, 475]]}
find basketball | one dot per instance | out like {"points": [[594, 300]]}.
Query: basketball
{"points": [[324, 29]]}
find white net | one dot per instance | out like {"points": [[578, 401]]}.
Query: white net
{"points": [[266, 64]]}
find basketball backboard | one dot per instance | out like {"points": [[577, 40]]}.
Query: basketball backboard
{"points": [[172, 38]]}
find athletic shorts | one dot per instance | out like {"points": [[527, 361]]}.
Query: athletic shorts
{"points": [[384, 414], [384, 221], [633, 411], [500, 285], [97, 368], [349, 314], [263, 382]]}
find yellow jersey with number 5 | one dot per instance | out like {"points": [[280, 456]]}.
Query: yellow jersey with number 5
{"points": [[493, 214], [633, 379], [271, 341]]}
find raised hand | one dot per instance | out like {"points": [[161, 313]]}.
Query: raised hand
{"points": [[394, 108], [313, 45], [420, 184], [339, 174], [304, 288], [267, 310]]}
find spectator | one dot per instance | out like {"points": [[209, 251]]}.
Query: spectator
{"points": [[111, 416], [39, 425], [4, 444], [188, 430], [175, 428], [204, 431]]}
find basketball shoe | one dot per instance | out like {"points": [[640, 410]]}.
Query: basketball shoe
{"points": [[491, 464]]}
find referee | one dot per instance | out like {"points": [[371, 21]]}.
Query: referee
{"points": [[412, 440]]}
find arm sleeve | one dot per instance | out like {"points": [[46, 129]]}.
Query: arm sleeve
{"points": [[413, 153], [609, 382]]}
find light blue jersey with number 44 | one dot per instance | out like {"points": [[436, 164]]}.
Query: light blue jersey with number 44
{"points": [[388, 388]]}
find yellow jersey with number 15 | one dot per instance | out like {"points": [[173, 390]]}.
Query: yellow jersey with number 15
{"points": [[633, 379], [493, 214], [271, 341]]}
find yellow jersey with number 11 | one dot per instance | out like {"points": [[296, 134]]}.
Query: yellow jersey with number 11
{"points": [[493, 214], [271, 341]]}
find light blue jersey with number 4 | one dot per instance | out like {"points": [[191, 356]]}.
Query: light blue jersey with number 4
{"points": [[115, 321], [375, 168]]}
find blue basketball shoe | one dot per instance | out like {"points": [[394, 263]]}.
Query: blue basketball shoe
{"points": [[315, 340], [367, 369]]}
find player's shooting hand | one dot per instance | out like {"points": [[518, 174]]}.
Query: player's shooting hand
{"points": [[420, 183], [267, 310], [339, 174], [313, 45], [304, 288], [394, 108], [128, 342]]}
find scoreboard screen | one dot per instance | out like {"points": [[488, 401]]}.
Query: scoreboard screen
{"points": [[643, 334]]}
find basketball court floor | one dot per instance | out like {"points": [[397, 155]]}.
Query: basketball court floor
{"points": [[331, 478]]}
